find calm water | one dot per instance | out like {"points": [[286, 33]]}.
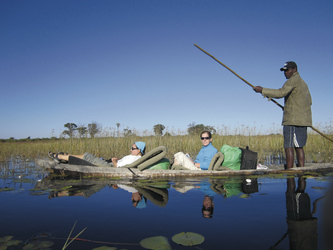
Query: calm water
{"points": [[247, 214]]}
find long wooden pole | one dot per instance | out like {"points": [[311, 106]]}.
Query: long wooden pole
{"points": [[254, 87]]}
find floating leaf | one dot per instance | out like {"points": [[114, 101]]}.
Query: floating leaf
{"points": [[29, 246], [319, 188], [23, 180], [6, 189], [45, 244], [38, 193], [188, 239], [65, 188], [156, 243], [3, 247], [244, 196], [5, 238], [12, 243], [105, 248], [38, 245]]}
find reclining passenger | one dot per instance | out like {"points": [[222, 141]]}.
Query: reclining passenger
{"points": [[137, 150], [203, 158]]}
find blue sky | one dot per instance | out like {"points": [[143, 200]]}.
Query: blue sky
{"points": [[135, 63]]}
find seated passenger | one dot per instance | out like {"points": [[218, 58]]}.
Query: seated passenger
{"points": [[137, 150], [203, 158]]}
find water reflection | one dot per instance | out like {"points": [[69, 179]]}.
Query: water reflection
{"points": [[140, 192], [302, 226], [223, 187], [250, 213], [156, 193]]}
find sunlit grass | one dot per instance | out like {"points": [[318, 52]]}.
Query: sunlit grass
{"points": [[318, 149]]}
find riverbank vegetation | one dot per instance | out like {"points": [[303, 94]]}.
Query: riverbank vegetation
{"points": [[269, 147]]}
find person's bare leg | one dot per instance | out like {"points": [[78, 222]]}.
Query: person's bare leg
{"points": [[289, 157], [291, 185], [66, 157], [300, 157], [175, 162], [301, 184]]}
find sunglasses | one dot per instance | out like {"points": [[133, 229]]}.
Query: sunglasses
{"points": [[205, 138], [134, 148], [134, 201]]}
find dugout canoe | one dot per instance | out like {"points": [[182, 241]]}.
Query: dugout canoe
{"points": [[111, 172]]}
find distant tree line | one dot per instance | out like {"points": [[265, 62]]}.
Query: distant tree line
{"points": [[196, 129], [72, 129], [193, 129], [93, 129]]}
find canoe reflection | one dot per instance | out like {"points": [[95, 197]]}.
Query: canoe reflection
{"points": [[224, 187], [141, 192], [154, 192]]}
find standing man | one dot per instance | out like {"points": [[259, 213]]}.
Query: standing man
{"points": [[296, 113]]}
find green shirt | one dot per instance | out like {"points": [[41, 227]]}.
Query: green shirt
{"points": [[297, 101]]}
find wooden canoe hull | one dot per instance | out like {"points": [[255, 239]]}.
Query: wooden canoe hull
{"points": [[91, 171]]}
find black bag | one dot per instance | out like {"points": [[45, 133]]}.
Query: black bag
{"points": [[249, 159], [250, 186]]}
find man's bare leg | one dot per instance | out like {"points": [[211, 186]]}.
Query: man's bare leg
{"points": [[300, 157], [289, 157]]}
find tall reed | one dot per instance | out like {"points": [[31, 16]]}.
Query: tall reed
{"points": [[318, 149]]}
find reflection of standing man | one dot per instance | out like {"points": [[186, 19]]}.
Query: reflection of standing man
{"points": [[297, 114], [302, 227]]}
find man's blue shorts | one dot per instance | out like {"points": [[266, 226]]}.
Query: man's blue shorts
{"points": [[294, 136]]}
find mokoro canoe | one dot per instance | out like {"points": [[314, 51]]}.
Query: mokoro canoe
{"points": [[110, 172]]}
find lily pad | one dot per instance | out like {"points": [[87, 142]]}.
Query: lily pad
{"points": [[156, 243], [6, 189], [105, 248], [23, 180], [38, 245], [29, 246], [5, 238], [188, 239], [45, 244], [38, 193], [11, 243]]}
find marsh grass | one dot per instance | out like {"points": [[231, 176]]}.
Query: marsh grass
{"points": [[318, 149]]}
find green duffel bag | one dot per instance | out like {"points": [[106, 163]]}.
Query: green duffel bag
{"points": [[163, 164], [232, 157]]}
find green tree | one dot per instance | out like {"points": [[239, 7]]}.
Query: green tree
{"points": [[82, 130], [71, 127], [158, 129], [196, 129], [128, 132], [94, 128]]}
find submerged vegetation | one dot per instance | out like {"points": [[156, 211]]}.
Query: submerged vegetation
{"points": [[107, 145]]}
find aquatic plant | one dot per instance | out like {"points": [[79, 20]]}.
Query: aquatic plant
{"points": [[156, 243], [72, 239], [188, 239]]}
